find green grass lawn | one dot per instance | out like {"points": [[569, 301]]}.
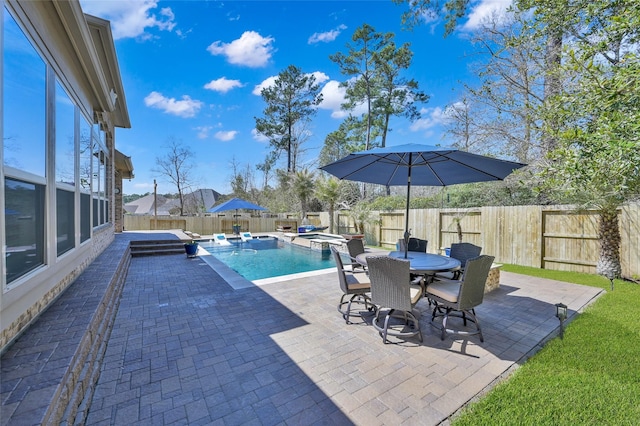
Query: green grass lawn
{"points": [[592, 376]]}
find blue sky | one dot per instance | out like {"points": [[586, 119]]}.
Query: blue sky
{"points": [[192, 70]]}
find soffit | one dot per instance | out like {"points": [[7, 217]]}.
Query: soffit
{"points": [[61, 32], [123, 165]]}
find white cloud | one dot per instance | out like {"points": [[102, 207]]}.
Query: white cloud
{"points": [[328, 36], [186, 107], [203, 132], [333, 96], [320, 77], [453, 110], [259, 136], [485, 10], [131, 19], [251, 50], [226, 135], [431, 117], [222, 85], [268, 82]]}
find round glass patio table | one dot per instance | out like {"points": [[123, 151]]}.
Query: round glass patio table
{"points": [[420, 263]]}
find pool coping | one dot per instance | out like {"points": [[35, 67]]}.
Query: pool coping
{"points": [[238, 282]]}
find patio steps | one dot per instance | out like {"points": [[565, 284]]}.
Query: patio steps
{"points": [[156, 247]]}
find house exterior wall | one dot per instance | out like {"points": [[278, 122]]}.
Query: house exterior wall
{"points": [[58, 119]]}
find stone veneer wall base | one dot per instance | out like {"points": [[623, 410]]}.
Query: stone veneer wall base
{"points": [[73, 332]]}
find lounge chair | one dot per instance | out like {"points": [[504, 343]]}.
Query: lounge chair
{"points": [[246, 236], [221, 240], [313, 228]]}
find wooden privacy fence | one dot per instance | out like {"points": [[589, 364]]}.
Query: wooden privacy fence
{"points": [[220, 223], [550, 237]]}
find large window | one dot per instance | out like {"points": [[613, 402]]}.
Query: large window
{"points": [[100, 158], [65, 138], [54, 157], [24, 97], [85, 180], [65, 171], [65, 230], [85, 217], [24, 147], [24, 216]]}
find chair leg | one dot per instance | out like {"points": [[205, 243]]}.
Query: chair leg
{"points": [[341, 306], [410, 320], [346, 311], [477, 321], [444, 324], [416, 324]]}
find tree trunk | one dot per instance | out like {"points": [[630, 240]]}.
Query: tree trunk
{"points": [[552, 84], [331, 214], [609, 237]]}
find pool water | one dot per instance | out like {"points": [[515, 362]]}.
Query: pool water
{"points": [[268, 257]]}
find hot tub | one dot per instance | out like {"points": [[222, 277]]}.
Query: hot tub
{"points": [[317, 241]]}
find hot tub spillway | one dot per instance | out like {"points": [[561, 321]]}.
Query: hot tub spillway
{"points": [[317, 241]]}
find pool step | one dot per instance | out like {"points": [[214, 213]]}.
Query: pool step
{"points": [[156, 247]]}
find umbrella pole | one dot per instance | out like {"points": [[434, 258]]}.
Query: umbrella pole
{"points": [[235, 220], [407, 232]]}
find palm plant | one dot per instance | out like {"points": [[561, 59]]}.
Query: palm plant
{"points": [[328, 191], [303, 186]]}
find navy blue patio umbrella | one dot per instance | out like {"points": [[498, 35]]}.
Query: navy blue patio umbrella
{"points": [[416, 164]]}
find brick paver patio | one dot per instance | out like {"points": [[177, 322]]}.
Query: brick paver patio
{"points": [[187, 348]]}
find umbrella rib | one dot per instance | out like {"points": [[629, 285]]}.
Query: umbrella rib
{"points": [[376, 158], [447, 158]]}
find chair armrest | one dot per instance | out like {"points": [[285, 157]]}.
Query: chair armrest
{"points": [[419, 280]]}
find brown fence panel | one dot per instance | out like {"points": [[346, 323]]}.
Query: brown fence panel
{"points": [[512, 234], [570, 240], [166, 224], [470, 223], [425, 224], [391, 229]]}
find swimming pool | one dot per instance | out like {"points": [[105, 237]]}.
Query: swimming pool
{"points": [[268, 257]]}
